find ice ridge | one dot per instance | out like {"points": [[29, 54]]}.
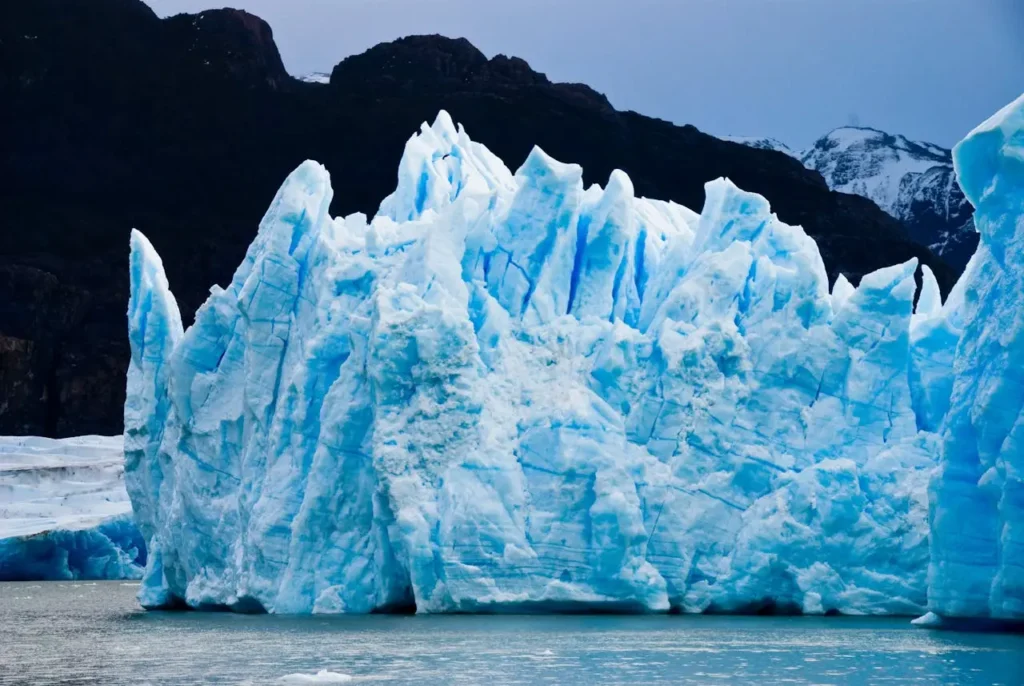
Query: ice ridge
{"points": [[510, 392]]}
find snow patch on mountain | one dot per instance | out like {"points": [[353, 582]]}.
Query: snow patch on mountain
{"points": [[316, 77], [763, 143]]}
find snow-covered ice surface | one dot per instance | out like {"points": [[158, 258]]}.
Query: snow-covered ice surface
{"points": [[977, 496], [64, 511], [508, 392]]}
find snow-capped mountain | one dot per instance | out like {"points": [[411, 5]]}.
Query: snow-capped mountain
{"points": [[911, 180], [316, 77]]}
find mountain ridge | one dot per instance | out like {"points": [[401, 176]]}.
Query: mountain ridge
{"points": [[184, 127]]}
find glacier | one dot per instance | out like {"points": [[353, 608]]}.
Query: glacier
{"points": [[64, 511], [977, 494], [511, 392]]}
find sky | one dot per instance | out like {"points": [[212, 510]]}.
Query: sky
{"points": [[789, 69]]}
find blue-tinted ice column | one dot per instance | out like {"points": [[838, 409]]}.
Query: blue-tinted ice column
{"points": [[977, 495], [154, 328]]}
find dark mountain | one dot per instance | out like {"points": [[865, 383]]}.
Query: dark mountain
{"points": [[184, 127]]}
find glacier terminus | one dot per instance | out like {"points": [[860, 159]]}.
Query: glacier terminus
{"points": [[511, 392]]}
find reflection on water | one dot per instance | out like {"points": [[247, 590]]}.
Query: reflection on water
{"points": [[81, 633]]}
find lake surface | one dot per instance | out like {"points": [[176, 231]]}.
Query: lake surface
{"points": [[86, 633]]}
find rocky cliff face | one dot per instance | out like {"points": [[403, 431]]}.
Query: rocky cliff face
{"points": [[183, 127]]}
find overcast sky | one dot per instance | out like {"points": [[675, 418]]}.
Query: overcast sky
{"points": [[791, 69]]}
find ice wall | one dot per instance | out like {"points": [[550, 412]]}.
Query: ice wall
{"points": [[508, 391], [977, 495]]}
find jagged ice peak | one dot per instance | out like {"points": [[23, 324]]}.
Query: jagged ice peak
{"points": [[508, 391]]}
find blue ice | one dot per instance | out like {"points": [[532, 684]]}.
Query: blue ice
{"points": [[510, 392], [977, 495]]}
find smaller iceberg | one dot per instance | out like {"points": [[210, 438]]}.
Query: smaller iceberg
{"points": [[65, 514]]}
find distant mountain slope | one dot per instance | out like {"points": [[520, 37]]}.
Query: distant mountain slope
{"points": [[185, 127], [765, 143], [912, 181]]}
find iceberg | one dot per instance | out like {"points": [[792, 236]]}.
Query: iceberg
{"points": [[64, 511], [977, 494], [511, 392]]}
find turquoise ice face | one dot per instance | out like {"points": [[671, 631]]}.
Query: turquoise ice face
{"points": [[509, 392], [977, 496]]}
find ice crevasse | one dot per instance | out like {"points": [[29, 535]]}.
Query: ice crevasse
{"points": [[509, 392]]}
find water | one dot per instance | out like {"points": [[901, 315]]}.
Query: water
{"points": [[85, 633]]}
